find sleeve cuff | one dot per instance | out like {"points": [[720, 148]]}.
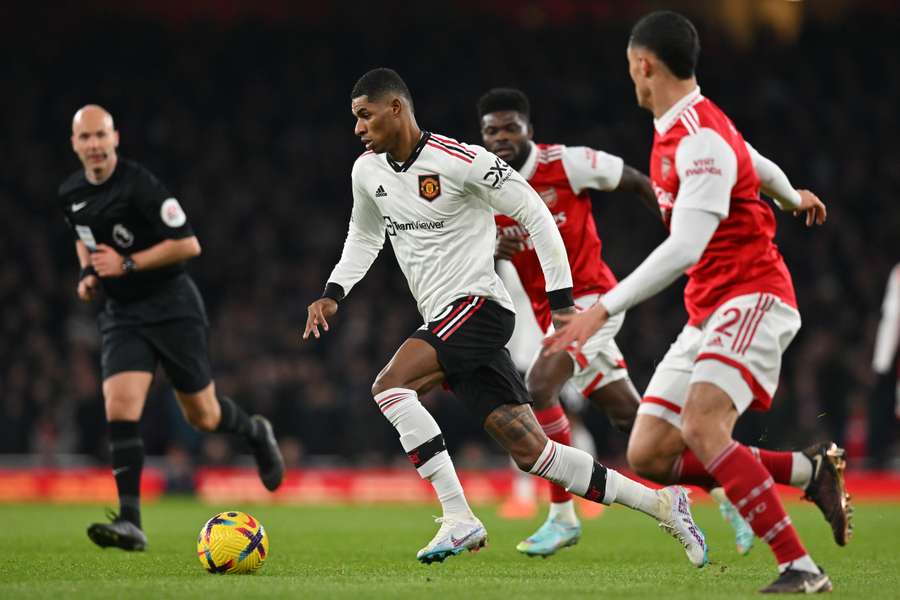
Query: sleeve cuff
{"points": [[334, 291], [790, 200], [560, 299], [614, 302]]}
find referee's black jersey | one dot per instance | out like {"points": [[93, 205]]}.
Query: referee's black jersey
{"points": [[131, 211]]}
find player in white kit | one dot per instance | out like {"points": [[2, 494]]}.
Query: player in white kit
{"points": [[435, 199]]}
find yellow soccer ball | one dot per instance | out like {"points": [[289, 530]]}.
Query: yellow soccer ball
{"points": [[232, 542]]}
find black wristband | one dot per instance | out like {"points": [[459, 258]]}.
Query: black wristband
{"points": [[333, 291], [560, 299], [85, 271]]}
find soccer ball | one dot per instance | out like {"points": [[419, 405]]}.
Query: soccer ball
{"points": [[232, 542]]}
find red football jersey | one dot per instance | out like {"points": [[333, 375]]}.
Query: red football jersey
{"points": [[741, 257], [562, 175]]}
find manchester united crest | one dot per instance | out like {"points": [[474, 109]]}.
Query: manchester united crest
{"points": [[429, 186]]}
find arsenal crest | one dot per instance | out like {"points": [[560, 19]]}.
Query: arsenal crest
{"points": [[548, 195], [429, 186]]}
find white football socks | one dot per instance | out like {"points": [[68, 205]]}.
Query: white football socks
{"points": [[804, 563], [416, 426], [573, 468], [630, 493], [565, 466], [801, 470], [563, 512]]}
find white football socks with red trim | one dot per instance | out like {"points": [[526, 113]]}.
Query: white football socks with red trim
{"points": [[416, 426], [573, 468], [565, 466], [801, 470]]}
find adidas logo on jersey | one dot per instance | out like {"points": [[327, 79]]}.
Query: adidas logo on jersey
{"points": [[380, 193], [716, 341]]}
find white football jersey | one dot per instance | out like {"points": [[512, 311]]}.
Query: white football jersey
{"points": [[437, 210]]}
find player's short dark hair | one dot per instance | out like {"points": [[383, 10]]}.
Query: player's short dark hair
{"points": [[672, 38], [378, 82], [498, 99]]}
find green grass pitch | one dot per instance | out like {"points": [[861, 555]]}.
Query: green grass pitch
{"points": [[369, 552]]}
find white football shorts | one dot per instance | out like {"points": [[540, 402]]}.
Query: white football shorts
{"points": [[738, 348], [600, 362]]}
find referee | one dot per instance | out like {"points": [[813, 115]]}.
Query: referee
{"points": [[132, 238]]}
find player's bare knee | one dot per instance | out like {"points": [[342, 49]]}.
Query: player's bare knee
{"points": [[388, 378], [121, 406], [382, 383], [636, 459]]}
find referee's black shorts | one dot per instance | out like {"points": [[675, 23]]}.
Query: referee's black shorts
{"points": [[470, 336], [180, 345]]}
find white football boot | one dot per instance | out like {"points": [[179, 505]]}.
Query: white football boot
{"points": [[677, 521], [454, 536]]}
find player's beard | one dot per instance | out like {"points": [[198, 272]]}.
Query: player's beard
{"points": [[521, 156]]}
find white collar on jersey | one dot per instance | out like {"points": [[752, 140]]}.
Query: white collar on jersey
{"points": [[665, 122], [530, 165]]}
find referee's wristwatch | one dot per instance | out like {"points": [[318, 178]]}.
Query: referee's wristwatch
{"points": [[128, 264]]}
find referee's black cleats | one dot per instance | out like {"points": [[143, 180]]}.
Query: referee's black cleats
{"points": [[118, 534], [827, 491], [268, 456]]}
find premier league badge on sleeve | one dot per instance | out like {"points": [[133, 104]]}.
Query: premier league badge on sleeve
{"points": [[171, 213], [429, 186]]}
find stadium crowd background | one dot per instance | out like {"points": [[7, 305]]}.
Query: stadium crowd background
{"points": [[246, 120]]}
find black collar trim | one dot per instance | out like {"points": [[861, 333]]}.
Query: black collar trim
{"points": [[398, 168]]}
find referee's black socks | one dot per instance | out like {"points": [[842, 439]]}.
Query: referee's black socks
{"points": [[127, 451], [235, 420]]}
